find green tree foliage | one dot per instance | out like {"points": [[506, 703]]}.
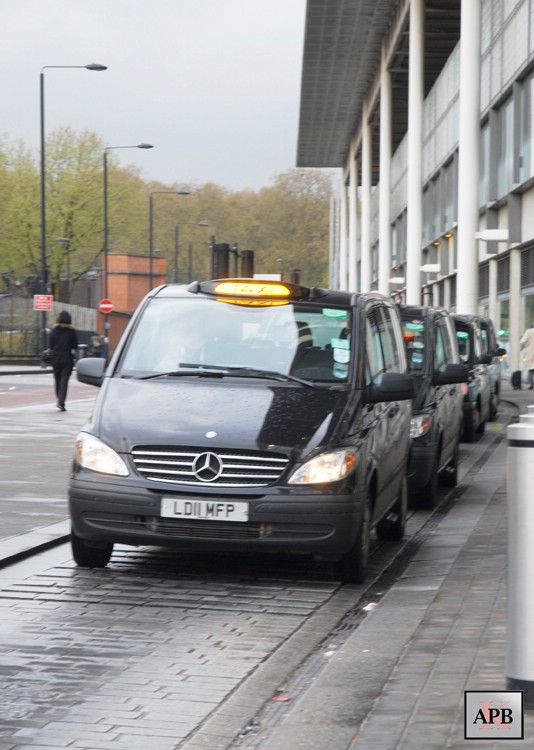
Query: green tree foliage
{"points": [[295, 211], [286, 224], [73, 200], [19, 215]]}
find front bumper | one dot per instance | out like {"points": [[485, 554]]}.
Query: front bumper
{"points": [[283, 519]]}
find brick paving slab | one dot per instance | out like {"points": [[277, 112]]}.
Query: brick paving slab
{"points": [[158, 671]]}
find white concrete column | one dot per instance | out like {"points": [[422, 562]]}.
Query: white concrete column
{"points": [[516, 328], [414, 227], [353, 225], [343, 243], [468, 159], [493, 303], [365, 246], [333, 260], [447, 294], [384, 228]]}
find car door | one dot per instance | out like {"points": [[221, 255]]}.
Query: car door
{"points": [[449, 397], [390, 440], [482, 375]]}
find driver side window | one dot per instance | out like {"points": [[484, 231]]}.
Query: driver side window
{"points": [[378, 345], [441, 356]]}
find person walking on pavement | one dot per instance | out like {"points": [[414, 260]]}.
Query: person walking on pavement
{"points": [[527, 343], [63, 343]]}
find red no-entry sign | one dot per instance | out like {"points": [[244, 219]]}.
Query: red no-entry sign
{"points": [[105, 306]]}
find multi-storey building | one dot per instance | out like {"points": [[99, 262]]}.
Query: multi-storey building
{"points": [[427, 108]]}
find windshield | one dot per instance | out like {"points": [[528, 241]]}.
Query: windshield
{"points": [[413, 331], [174, 335]]}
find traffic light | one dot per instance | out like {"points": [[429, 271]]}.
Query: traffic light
{"points": [[247, 264], [220, 261]]}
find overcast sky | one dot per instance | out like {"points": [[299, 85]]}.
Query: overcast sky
{"points": [[213, 84]]}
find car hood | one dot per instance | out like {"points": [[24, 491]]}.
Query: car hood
{"points": [[203, 413]]}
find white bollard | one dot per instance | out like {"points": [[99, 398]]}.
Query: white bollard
{"points": [[520, 606], [529, 415]]}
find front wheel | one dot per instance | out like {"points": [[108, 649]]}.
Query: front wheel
{"points": [[352, 566], [449, 476], [494, 407], [87, 556], [392, 527], [427, 496], [471, 425]]}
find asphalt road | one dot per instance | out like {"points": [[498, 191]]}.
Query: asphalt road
{"points": [[36, 447]]}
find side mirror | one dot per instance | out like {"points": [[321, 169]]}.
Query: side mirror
{"points": [[484, 359], [90, 370], [453, 373], [394, 386], [500, 352]]}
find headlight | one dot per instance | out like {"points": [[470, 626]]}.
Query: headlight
{"points": [[92, 453], [328, 467], [419, 425]]}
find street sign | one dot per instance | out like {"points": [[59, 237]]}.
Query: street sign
{"points": [[105, 306], [43, 302]]}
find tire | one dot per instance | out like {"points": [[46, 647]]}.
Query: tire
{"points": [[494, 407], [89, 557], [427, 496], [448, 477], [469, 427], [392, 527], [352, 566]]}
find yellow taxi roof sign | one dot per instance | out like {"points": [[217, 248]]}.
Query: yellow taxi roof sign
{"points": [[252, 288]]}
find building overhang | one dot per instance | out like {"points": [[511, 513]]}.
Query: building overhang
{"points": [[342, 55]]}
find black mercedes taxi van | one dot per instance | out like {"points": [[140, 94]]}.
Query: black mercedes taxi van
{"points": [[246, 414]]}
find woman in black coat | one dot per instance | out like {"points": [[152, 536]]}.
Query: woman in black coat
{"points": [[63, 344]]}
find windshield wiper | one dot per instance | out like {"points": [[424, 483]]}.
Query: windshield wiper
{"points": [[219, 371], [212, 371], [254, 372]]}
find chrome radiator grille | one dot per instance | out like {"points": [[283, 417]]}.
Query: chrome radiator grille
{"points": [[202, 467]]}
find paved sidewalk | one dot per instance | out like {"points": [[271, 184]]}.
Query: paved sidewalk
{"points": [[23, 369], [438, 631]]}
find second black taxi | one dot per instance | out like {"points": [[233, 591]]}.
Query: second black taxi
{"points": [[436, 424]]}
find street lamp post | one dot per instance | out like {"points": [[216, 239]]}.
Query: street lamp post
{"points": [[66, 241], [176, 242], [205, 244], [43, 271], [106, 222], [151, 228]]}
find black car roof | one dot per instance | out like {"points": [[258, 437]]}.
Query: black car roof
{"points": [[466, 322], [421, 311]]}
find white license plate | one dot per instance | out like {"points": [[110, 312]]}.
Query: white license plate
{"points": [[206, 510]]}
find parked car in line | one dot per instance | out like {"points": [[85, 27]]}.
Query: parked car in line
{"points": [[490, 346], [277, 420], [437, 413], [477, 393]]}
